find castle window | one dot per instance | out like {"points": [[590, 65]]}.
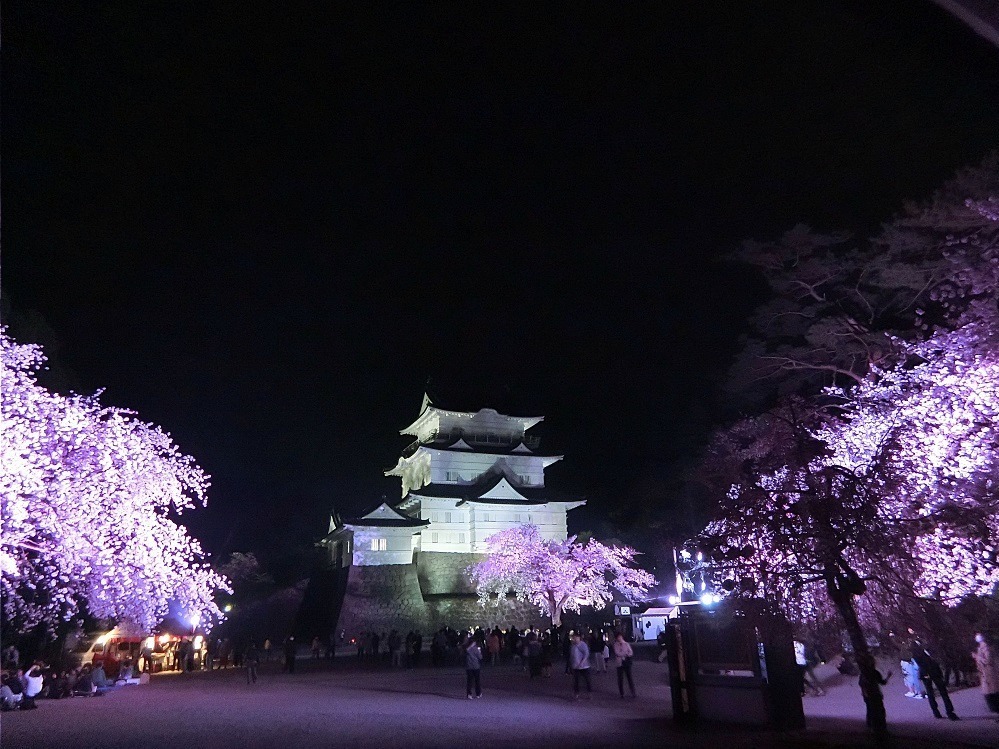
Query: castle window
{"points": [[461, 538], [379, 544], [526, 480], [518, 518], [453, 476], [447, 517], [434, 538], [485, 517]]}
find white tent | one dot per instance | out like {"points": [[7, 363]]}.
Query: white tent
{"points": [[653, 621]]}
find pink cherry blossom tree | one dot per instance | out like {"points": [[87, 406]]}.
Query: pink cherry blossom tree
{"points": [[89, 499], [870, 493], [876, 503], [556, 576]]}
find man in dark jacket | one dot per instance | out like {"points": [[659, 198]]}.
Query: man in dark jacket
{"points": [[930, 673], [251, 659], [290, 651]]}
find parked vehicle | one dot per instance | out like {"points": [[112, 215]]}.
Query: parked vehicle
{"points": [[113, 649]]}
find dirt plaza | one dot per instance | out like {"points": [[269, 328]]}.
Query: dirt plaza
{"points": [[347, 704]]}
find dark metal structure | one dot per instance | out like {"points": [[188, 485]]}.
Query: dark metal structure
{"points": [[734, 663]]}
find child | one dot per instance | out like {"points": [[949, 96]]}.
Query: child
{"points": [[914, 687]]}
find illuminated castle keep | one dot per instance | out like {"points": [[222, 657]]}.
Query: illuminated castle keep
{"points": [[465, 477]]}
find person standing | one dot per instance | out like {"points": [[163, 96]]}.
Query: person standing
{"points": [[987, 660], [417, 648], [395, 648], [579, 660], [267, 650], [931, 675], [622, 661], [473, 668], [316, 648], [494, 647], [251, 660], [534, 649], [596, 646], [290, 652], [871, 682]]}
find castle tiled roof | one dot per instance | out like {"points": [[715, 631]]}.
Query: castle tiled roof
{"points": [[493, 488], [384, 516]]}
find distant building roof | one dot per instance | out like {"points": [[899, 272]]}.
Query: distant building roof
{"points": [[384, 516]]}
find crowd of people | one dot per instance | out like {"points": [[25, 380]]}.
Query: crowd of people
{"points": [[20, 688], [533, 650], [925, 674]]}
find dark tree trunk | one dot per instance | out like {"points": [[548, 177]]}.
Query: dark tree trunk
{"points": [[843, 598]]}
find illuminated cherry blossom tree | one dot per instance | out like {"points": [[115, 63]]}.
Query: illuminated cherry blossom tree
{"points": [[866, 489], [556, 576], [89, 500], [877, 502]]}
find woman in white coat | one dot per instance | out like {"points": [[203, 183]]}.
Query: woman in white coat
{"points": [[987, 660]]}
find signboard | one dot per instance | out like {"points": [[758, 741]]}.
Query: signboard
{"points": [[622, 610]]}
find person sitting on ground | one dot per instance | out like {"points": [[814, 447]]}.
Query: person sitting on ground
{"points": [[124, 672], [32, 686], [84, 686], [69, 677], [11, 691], [100, 679], [58, 685]]}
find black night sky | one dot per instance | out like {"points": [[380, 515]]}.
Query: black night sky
{"points": [[266, 230]]}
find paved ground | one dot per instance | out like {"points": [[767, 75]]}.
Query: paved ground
{"points": [[350, 706]]}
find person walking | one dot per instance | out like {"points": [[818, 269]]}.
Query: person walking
{"points": [[987, 659], [622, 661], [473, 668], [931, 675], [251, 659], [808, 685], [267, 650], [579, 660]]}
